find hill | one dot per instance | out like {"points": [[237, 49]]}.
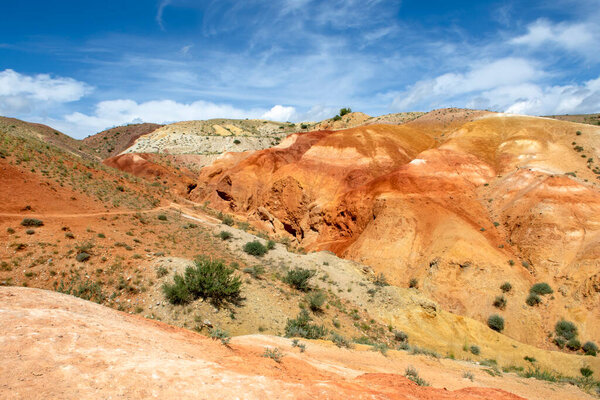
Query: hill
{"points": [[113, 141], [452, 200]]}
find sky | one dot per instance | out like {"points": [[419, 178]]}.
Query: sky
{"points": [[84, 66]]}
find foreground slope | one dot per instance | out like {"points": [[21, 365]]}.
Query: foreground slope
{"points": [[456, 201], [57, 346]]}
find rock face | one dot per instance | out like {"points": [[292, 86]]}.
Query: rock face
{"points": [[459, 200], [58, 346]]}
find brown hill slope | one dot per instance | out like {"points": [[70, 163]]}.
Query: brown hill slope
{"points": [[456, 199], [113, 141]]}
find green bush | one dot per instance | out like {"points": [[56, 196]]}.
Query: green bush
{"points": [[506, 287], [590, 348], [208, 279], [413, 375], [340, 341], [255, 248], [316, 301], [162, 217], [270, 245], [236, 141], [573, 344], [256, 271], [496, 322], [533, 299], [301, 327], [218, 334], [475, 350], [541, 288], [586, 372], [413, 283], [30, 231], [565, 329], [560, 342], [226, 219], [381, 280], [224, 235], [337, 118], [32, 222], [500, 302], [345, 111], [400, 336], [298, 278], [273, 354]]}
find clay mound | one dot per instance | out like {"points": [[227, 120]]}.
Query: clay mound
{"points": [[115, 140], [57, 346], [151, 167], [454, 199]]}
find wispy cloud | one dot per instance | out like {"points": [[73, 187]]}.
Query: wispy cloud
{"points": [[159, 13]]}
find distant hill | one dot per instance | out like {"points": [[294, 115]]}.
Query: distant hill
{"points": [[113, 141], [591, 119]]}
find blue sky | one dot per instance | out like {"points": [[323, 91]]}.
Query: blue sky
{"points": [[82, 66]]}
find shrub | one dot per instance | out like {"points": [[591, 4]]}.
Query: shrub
{"points": [[255, 248], [500, 302], [32, 222], [565, 329], [273, 354], [162, 217], [69, 235], [560, 342], [590, 348], [30, 231], [344, 111], [381, 280], [270, 245], [298, 278], [506, 287], [161, 271], [475, 350], [380, 347], [304, 126], [496, 322], [316, 301], [533, 299], [400, 336], [226, 219], [340, 341], [301, 327], [412, 374], [256, 271], [586, 372], [218, 334], [413, 283], [337, 118], [10, 231], [573, 344], [236, 141], [300, 346], [82, 257], [207, 279], [541, 288], [224, 235]]}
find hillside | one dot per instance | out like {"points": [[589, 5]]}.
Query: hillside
{"points": [[50, 339], [113, 141], [591, 119], [114, 232], [452, 200]]}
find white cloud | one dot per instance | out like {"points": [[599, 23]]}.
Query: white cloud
{"points": [[23, 94], [499, 73], [159, 13], [581, 37], [567, 99], [280, 113]]}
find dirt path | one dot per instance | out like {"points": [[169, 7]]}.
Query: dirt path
{"points": [[185, 212]]}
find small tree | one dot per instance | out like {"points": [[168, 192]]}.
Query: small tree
{"points": [[344, 111]]}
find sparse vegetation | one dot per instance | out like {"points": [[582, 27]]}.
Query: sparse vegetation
{"points": [[273, 354], [298, 278], [32, 222], [590, 348], [301, 327], [565, 329], [412, 374], [500, 302], [506, 287], [224, 235], [533, 299], [316, 300], [218, 334]]}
